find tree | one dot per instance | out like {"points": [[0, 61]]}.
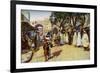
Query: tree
{"points": [[68, 17]]}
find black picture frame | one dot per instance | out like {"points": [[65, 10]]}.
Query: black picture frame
{"points": [[13, 36]]}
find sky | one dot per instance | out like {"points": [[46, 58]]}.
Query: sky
{"points": [[36, 15]]}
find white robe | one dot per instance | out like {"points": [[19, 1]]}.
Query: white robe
{"points": [[75, 39], [62, 38], [79, 41], [66, 40], [85, 40]]}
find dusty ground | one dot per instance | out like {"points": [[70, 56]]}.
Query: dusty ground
{"points": [[62, 53]]}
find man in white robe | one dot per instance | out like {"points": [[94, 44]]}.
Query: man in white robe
{"points": [[79, 41], [75, 39], [85, 41]]}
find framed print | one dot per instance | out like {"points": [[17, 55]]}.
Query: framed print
{"points": [[52, 36]]}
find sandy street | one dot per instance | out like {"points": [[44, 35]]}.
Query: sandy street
{"points": [[62, 53]]}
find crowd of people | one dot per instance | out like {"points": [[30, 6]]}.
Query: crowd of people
{"points": [[79, 37]]}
